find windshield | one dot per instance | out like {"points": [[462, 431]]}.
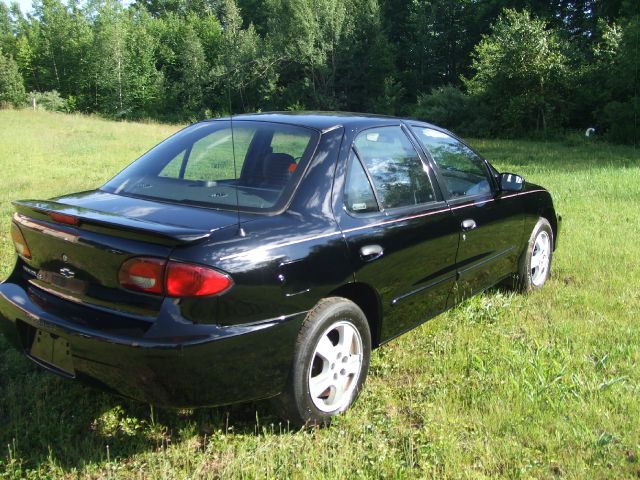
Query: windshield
{"points": [[196, 166]]}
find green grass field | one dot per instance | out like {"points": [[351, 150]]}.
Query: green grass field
{"points": [[539, 386]]}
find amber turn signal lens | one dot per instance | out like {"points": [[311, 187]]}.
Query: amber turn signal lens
{"points": [[20, 243]]}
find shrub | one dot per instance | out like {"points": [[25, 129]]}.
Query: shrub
{"points": [[389, 103], [52, 101], [521, 72], [622, 121], [446, 106], [11, 83], [451, 108]]}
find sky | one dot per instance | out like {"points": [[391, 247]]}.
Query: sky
{"points": [[25, 5]]}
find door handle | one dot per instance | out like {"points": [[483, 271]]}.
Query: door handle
{"points": [[468, 224], [371, 252]]}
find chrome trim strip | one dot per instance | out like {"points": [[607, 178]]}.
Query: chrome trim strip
{"points": [[331, 234], [479, 203], [394, 220], [524, 193], [371, 225], [488, 200], [330, 129]]}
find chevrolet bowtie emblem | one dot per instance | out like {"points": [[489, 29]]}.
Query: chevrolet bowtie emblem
{"points": [[67, 273]]}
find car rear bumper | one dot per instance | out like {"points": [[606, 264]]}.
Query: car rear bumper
{"points": [[169, 362]]}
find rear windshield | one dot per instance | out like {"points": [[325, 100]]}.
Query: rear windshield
{"points": [[196, 166]]}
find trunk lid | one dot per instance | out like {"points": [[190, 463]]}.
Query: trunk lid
{"points": [[80, 262]]}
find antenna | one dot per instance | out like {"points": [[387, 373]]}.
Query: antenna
{"points": [[240, 230]]}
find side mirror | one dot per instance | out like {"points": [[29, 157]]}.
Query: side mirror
{"points": [[510, 182]]}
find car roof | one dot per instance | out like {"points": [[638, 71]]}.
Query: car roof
{"points": [[324, 120]]}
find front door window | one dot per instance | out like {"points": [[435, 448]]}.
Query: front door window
{"points": [[464, 173]]}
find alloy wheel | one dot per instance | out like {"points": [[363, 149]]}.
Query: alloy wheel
{"points": [[335, 367], [540, 258]]}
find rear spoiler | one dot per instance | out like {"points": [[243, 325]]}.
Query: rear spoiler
{"points": [[108, 223]]}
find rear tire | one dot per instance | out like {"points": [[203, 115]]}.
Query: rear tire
{"points": [[535, 263], [330, 363]]}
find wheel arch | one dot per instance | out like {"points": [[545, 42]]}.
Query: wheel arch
{"points": [[366, 297], [549, 214]]}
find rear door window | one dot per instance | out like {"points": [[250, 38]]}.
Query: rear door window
{"points": [[399, 175]]}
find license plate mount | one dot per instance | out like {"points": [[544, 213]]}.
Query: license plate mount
{"points": [[53, 351]]}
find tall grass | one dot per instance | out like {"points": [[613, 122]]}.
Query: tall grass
{"points": [[539, 386]]}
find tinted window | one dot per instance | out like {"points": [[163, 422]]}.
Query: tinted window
{"points": [[358, 193], [172, 169], [399, 175], [289, 143], [463, 171], [197, 165], [206, 158], [209, 156]]}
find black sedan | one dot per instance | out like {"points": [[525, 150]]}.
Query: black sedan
{"points": [[265, 256]]}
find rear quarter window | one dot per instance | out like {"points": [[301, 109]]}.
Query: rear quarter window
{"points": [[358, 194]]}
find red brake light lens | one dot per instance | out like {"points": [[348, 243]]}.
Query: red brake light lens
{"points": [[188, 280], [20, 243], [64, 218], [174, 279], [143, 275]]}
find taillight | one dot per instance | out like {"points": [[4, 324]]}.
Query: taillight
{"points": [[143, 274], [174, 279], [64, 218], [188, 280], [20, 243]]}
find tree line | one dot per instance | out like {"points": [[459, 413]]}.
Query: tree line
{"points": [[480, 67]]}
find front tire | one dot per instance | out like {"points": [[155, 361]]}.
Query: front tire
{"points": [[330, 363], [535, 264]]}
